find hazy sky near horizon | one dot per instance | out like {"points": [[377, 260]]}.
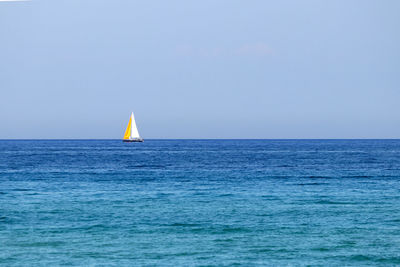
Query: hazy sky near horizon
{"points": [[200, 69]]}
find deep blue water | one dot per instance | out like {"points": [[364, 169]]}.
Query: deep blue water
{"points": [[200, 202]]}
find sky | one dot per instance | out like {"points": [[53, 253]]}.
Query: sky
{"points": [[200, 69]]}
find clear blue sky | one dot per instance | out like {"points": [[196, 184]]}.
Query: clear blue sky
{"points": [[200, 69]]}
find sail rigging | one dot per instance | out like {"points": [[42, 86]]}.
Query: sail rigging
{"points": [[127, 134], [132, 132]]}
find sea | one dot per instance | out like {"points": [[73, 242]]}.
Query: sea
{"points": [[200, 203]]}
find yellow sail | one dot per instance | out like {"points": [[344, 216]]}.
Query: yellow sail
{"points": [[127, 134]]}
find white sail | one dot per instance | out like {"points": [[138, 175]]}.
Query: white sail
{"points": [[134, 130]]}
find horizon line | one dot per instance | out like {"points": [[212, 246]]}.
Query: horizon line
{"points": [[115, 139]]}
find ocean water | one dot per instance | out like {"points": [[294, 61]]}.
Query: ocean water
{"points": [[200, 203]]}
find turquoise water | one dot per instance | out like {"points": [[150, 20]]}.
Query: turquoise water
{"points": [[200, 202]]}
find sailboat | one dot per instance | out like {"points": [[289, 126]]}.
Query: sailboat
{"points": [[131, 133]]}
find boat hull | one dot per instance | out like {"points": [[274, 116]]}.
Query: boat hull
{"points": [[132, 140]]}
